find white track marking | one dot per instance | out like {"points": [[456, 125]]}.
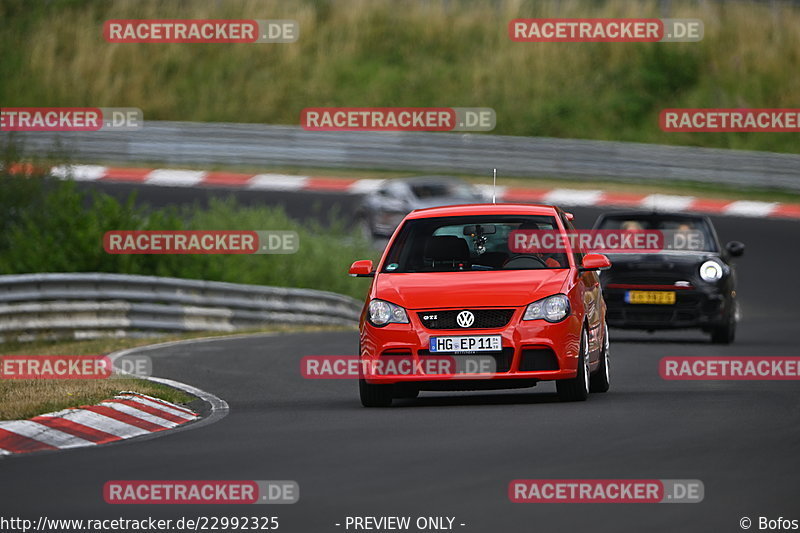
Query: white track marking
{"points": [[748, 208], [175, 178], [666, 202], [79, 172], [572, 197], [277, 182]]}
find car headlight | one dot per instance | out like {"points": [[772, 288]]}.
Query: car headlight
{"points": [[553, 309], [382, 313], [710, 271]]}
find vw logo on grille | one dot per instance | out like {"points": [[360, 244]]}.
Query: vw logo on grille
{"points": [[465, 319]]}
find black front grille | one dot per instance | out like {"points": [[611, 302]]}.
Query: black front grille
{"points": [[655, 278], [484, 318], [534, 359], [396, 352], [502, 359]]}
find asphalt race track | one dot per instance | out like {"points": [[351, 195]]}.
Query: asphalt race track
{"points": [[453, 454]]}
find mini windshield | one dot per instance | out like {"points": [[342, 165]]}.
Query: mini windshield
{"points": [[667, 223], [453, 244]]}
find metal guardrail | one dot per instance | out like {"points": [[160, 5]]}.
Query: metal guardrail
{"points": [[181, 143], [93, 304]]}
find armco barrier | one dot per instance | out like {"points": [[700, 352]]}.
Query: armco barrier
{"points": [[91, 304], [258, 145]]}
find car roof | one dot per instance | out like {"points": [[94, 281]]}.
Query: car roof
{"points": [[484, 209]]}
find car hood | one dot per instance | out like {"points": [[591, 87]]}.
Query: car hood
{"points": [[501, 288]]}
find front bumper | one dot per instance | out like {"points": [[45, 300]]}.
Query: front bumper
{"points": [[532, 351], [693, 308]]}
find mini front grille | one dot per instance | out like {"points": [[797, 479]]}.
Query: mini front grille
{"points": [[483, 318], [649, 316], [655, 278]]}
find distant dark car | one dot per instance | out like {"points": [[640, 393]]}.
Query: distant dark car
{"points": [[672, 289], [382, 210]]}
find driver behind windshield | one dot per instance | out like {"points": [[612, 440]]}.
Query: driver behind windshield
{"points": [[468, 243]]}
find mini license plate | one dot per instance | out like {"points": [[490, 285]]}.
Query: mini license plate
{"points": [[650, 297]]}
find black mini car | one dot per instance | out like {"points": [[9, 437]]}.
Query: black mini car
{"points": [[672, 288]]}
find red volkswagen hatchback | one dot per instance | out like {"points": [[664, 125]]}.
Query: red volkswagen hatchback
{"points": [[450, 288]]}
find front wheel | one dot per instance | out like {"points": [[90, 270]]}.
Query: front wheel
{"points": [[375, 395], [577, 388], [726, 333], [601, 379]]}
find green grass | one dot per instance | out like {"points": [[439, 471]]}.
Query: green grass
{"points": [[403, 53]]}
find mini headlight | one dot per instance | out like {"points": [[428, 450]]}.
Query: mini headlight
{"points": [[710, 271], [382, 313], [553, 309]]}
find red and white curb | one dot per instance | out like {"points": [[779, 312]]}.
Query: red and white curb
{"points": [[127, 415], [562, 197]]}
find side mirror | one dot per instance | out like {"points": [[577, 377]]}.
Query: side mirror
{"points": [[735, 248], [362, 269], [569, 216], [595, 262]]}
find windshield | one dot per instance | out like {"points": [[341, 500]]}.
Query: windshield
{"points": [[453, 244], [668, 223]]}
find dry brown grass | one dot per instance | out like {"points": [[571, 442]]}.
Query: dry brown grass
{"points": [[450, 53]]}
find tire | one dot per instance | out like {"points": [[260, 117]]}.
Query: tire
{"points": [[577, 388], [601, 379], [726, 333], [406, 392], [375, 395]]}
